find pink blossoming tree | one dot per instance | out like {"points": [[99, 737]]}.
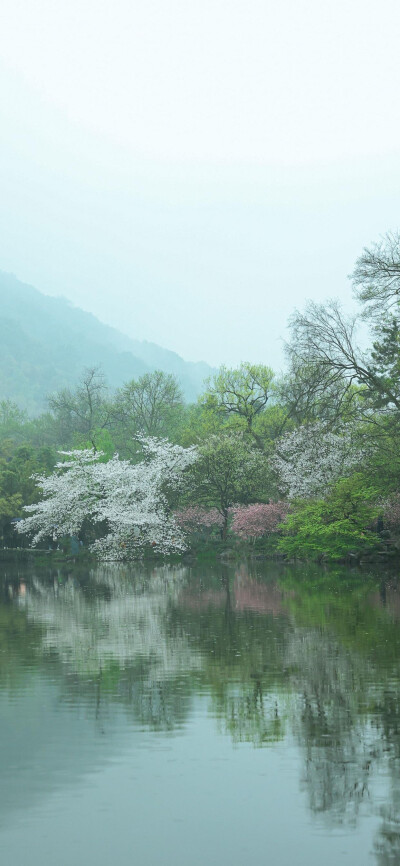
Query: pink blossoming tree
{"points": [[194, 517], [254, 521]]}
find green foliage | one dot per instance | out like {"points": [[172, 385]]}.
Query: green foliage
{"points": [[385, 360], [228, 471], [17, 487], [104, 442], [12, 420], [380, 437], [238, 421], [242, 393], [151, 405], [272, 423], [82, 412], [335, 527]]}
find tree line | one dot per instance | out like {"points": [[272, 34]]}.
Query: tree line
{"points": [[307, 462]]}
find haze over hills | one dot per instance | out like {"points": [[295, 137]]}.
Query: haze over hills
{"points": [[45, 342]]}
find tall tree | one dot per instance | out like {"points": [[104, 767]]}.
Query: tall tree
{"points": [[324, 344], [330, 374], [241, 393], [148, 405], [228, 471], [83, 410], [13, 421], [376, 276]]}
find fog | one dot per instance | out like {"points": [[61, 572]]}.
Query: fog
{"points": [[190, 173]]}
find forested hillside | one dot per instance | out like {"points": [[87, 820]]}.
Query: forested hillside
{"points": [[45, 343]]}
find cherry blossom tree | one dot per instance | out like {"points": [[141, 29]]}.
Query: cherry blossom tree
{"points": [[391, 512], [254, 521], [127, 504], [308, 460], [194, 517]]}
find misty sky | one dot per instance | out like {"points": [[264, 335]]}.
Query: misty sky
{"points": [[192, 171]]}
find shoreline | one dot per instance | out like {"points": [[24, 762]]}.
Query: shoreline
{"points": [[225, 556]]}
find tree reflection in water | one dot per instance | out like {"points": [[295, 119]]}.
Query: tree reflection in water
{"points": [[281, 652], [110, 635]]}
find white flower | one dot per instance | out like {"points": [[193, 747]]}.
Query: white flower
{"points": [[308, 460], [127, 499]]}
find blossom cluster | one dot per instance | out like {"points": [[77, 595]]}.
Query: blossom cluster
{"points": [[194, 516], [126, 502], [308, 460], [391, 512], [254, 521]]}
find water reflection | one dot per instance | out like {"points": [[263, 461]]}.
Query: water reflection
{"points": [[282, 655], [116, 623]]}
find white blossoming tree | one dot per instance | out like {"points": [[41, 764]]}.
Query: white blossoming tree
{"points": [[128, 502], [308, 460]]}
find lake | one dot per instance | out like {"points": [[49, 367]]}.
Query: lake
{"points": [[189, 715]]}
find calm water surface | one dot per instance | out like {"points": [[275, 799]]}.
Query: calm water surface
{"points": [[182, 716]]}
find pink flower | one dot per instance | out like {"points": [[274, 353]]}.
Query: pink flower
{"points": [[194, 516], [254, 521]]}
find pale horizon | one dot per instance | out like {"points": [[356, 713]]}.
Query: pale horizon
{"points": [[192, 176]]}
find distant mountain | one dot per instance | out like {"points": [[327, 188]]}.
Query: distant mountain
{"points": [[45, 343]]}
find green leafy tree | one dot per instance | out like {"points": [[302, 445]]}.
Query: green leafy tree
{"points": [[334, 527], [84, 411], [199, 421], [385, 361], [151, 405], [13, 421], [241, 393], [228, 471], [17, 487]]}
